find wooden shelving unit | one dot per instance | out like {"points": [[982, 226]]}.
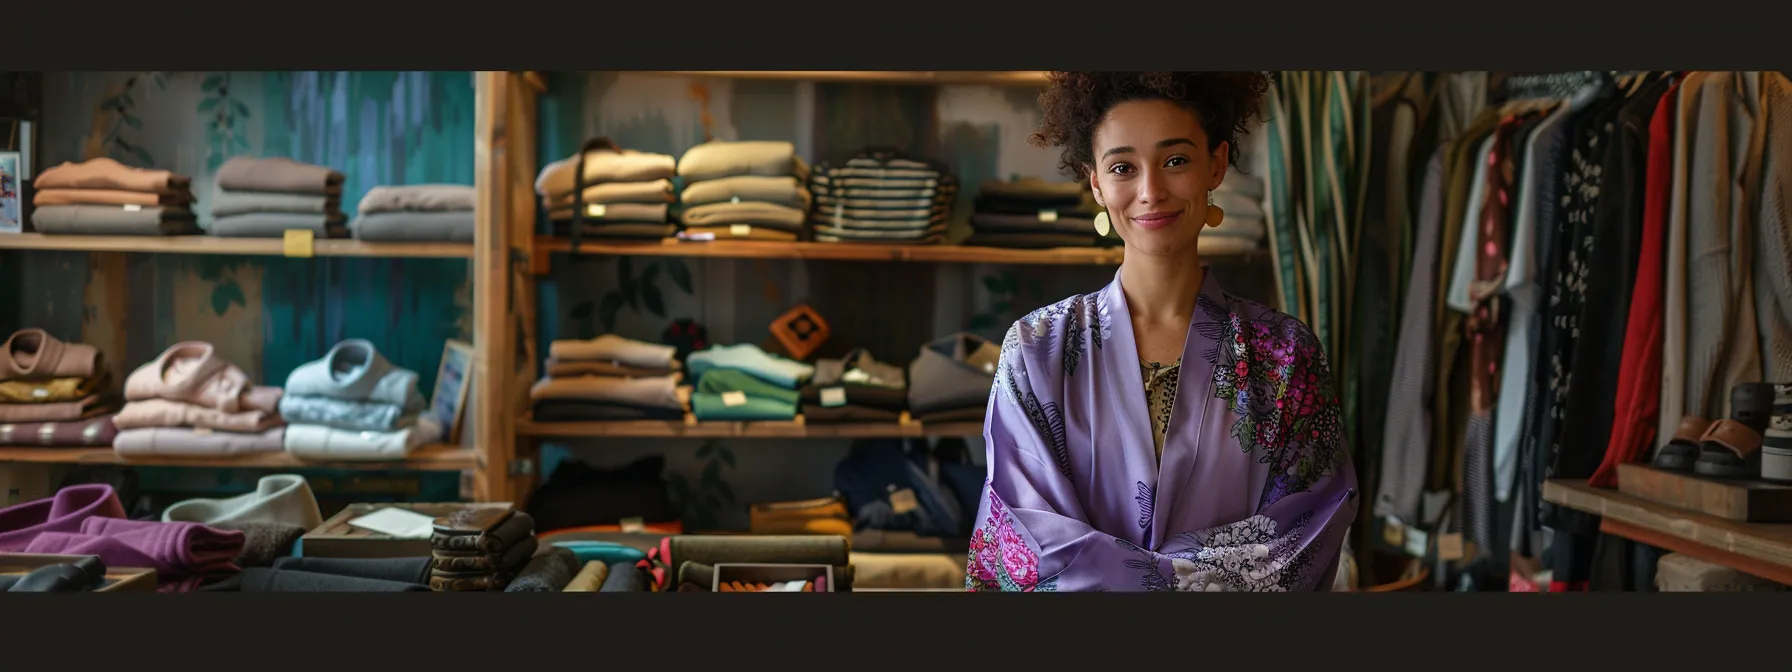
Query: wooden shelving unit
{"points": [[244, 246], [425, 458], [1761, 549]]}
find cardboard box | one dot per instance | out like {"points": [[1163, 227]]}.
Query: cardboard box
{"points": [[118, 579], [768, 573], [338, 539]]}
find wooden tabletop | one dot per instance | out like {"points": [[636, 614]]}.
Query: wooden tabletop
{"points": [[1761, 549]]}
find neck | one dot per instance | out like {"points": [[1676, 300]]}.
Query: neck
{"points": [[1162, 288]]}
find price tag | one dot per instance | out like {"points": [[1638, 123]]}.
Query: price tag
{"points": [[833, 396], [1417, 541], [740, 230], [132, 207], [1393, 532], [735, 398], [1449, 547], [634, 525], [202, 431], [1048, 216], [595, 210], [735, 199], [298, 243], [903, 501]]}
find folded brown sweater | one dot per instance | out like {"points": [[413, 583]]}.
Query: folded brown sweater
{"points": [[105, 173]]}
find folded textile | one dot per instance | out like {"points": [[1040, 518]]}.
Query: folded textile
{"points": [[276, 224], [574, 367], [850, 413], [453, 226], [1082, 206], [782, 190], [260, 580], [590, 579], [474, 561], [818, 516], [33, 354], [579, 410], [1032, 223], [719, 159], [319, 443], [751, 359], [63, 512], [623, 578], [50, 391], [413, 570], [187, 441], [713, 406], [445, 582], [419, 198], [739, 232], [497, 540], [284, 499], [859, 369], [109, 197], [722, 381], [106, 173], [89, 432], [928, 238], [226, 203], [603, 165], [768, 215], [264, 543], [67, 411], [620, 213], [343, 414], [355, 371], [548, 572], [183, 554], [618, 231], [617, 350], [193, 372], [114, 220], [659, 392], [878, 235], [652, 191], [279, 174], [165, 413], [1030, 240], [952, 372], [783, 549]]}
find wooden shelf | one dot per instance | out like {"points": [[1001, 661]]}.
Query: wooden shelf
{"points": [[673, 247], [435, 457], [915, 77], [1761, 549], [689, 428], [217, 245]]}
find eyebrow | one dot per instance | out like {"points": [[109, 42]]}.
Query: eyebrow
{"points": [[1161, 144]]}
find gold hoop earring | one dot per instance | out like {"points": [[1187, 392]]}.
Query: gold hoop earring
{"points": [[1102, 225], [1215, 214]]}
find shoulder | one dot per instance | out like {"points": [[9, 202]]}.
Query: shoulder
{"points": [[1052, 339], [1249, 328], [1042, 327]]}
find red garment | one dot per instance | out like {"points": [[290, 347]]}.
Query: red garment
{"points": [[1638, 405]]}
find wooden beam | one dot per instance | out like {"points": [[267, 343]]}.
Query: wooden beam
{"points": [[242, 246], [1762, 544], [493, 428]]}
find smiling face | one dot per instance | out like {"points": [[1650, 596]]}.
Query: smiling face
{"points": [[1152, 173]]}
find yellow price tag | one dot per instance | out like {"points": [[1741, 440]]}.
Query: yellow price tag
{"points": [[595, 210], [298, 243]]}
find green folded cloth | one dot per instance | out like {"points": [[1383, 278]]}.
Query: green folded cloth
{"points": [[718, 381], [713, 407]]}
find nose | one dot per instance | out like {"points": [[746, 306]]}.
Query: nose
{"points": [[1154, 187]]}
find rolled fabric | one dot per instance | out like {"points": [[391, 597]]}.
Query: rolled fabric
{"points": [[278, 174], [623, 578], [419, 198], [548, 572], [590, 579], [780, 549]]}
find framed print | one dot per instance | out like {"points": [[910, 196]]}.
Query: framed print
{"points": [[448, 403], [12, 176]]}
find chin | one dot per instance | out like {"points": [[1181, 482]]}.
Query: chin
{"points": [[1174, 240]]}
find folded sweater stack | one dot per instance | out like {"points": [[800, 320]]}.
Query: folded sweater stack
{"points": [[609, 378], [354, 405], [272, 518], [473, 550], [882, 196], [743, 382], [416, 213], [949, 380], [54, 393], [621, 193], [106, 198], [1032, 213], [88, 519], [191, 401], [857, 388], [750, 190], [265, 198]]}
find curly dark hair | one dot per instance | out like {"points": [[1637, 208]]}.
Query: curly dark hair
{"points": [[1073, 103]]}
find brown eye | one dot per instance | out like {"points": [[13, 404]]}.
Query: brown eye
{"points": [[1119, 168], [1175, 161]]}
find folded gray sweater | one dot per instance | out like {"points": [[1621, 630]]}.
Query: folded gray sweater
{"points": [[226, 203], [418, 198], [278, 174], [453, 226], [276, 224], [114, 220]]}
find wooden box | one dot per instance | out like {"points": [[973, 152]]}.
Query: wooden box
{"points": [[1739, 500], [118, 579], [338, 539], [768, 573]]}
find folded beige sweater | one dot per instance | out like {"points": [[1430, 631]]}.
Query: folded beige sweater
{"points": [[601, 166]]}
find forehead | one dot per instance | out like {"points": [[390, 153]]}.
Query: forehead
{"points": [[1141, 124]]}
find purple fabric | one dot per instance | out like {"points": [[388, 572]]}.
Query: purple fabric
{"points": [[1256, 489], [184, 555], [64, 512]]}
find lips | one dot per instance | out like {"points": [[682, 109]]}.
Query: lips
{"points": [[1152, 221]]}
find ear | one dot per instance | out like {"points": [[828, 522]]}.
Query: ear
{"points": [[1219, 164], [1095, 186]]}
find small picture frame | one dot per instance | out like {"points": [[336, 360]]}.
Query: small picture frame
{"points": [[12, 178], [449, 400]]}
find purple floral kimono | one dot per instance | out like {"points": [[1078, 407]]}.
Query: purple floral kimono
{"points": [[1255, 491]]}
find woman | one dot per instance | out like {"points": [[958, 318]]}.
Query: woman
{"points": [[1159, 434]]}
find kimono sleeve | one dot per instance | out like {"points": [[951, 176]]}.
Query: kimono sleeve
{"points": [[1032, 534]]}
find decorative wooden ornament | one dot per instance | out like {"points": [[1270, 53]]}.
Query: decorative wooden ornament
{"points": [[801, 331]]}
